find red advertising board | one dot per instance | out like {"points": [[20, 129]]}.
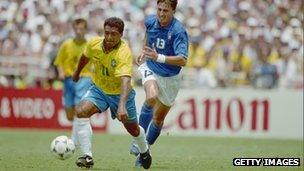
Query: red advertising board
{"points": [[38, 108]]}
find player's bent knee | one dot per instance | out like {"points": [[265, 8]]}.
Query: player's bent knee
{"points": [[79, 112]]}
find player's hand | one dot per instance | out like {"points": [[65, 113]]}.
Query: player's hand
{"points": [[150, 53], [122, 115], [75, 77], [140, 59]]}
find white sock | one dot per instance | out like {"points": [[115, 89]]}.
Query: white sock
{"points": [[74, 136], [141, 141], [84, 134]]}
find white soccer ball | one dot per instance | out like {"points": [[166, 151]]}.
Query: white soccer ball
{"points": [[62, 147]]}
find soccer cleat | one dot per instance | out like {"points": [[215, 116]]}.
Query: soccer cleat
{"points": [[85, 161], [134, 150], [138, 162], [144, 160]]}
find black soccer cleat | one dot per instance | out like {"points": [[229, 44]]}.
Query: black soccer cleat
{"points": [[85, 161], [145, 159]]}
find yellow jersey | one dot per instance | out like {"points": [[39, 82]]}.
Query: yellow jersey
{"points": [[245, 61], [68, 56], [196, 56], [109, 67], [246, 65]]}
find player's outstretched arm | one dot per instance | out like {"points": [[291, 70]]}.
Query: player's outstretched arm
{"points": [[81, 64], [172, 60], [124, 92]]}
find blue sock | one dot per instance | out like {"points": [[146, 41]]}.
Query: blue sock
{"points": [[145, 116], [153, 133]]}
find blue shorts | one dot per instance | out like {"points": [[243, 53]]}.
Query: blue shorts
{"points": [[73, 91], [104, 101]]}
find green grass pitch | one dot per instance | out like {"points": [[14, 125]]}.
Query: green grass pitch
{"points": [[24, 149]]}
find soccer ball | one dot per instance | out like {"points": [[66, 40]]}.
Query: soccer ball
{"points": [[62, 147]]}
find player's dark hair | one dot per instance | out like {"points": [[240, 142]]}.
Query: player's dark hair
{"points": [[80, 20], [173, 3], [115, 22]]}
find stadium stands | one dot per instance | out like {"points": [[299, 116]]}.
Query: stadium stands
{"points": [[234, 43]]}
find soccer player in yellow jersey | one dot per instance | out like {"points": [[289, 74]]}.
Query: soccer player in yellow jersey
{"points": [[66, 62], [111, 88]]}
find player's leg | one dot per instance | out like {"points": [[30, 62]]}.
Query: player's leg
{"points": [[92, 102], [154, 130], [79, 88], [160, 112], [136, 131], [146, 113], [168, 89], [68, 98], [138, 134], [139, 138], [84, 132], [70, 112], [69, 104], [151, 90]]}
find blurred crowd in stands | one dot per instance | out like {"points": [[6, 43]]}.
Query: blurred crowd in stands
{"points": [[233, 43]]}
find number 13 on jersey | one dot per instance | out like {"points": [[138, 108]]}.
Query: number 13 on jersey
{"points": [[160, 43]]}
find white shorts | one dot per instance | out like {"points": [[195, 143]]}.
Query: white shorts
{"points": [[168, 86]]}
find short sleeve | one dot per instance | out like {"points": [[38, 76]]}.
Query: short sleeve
{"points": [[181, 44], [149, 21]]}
